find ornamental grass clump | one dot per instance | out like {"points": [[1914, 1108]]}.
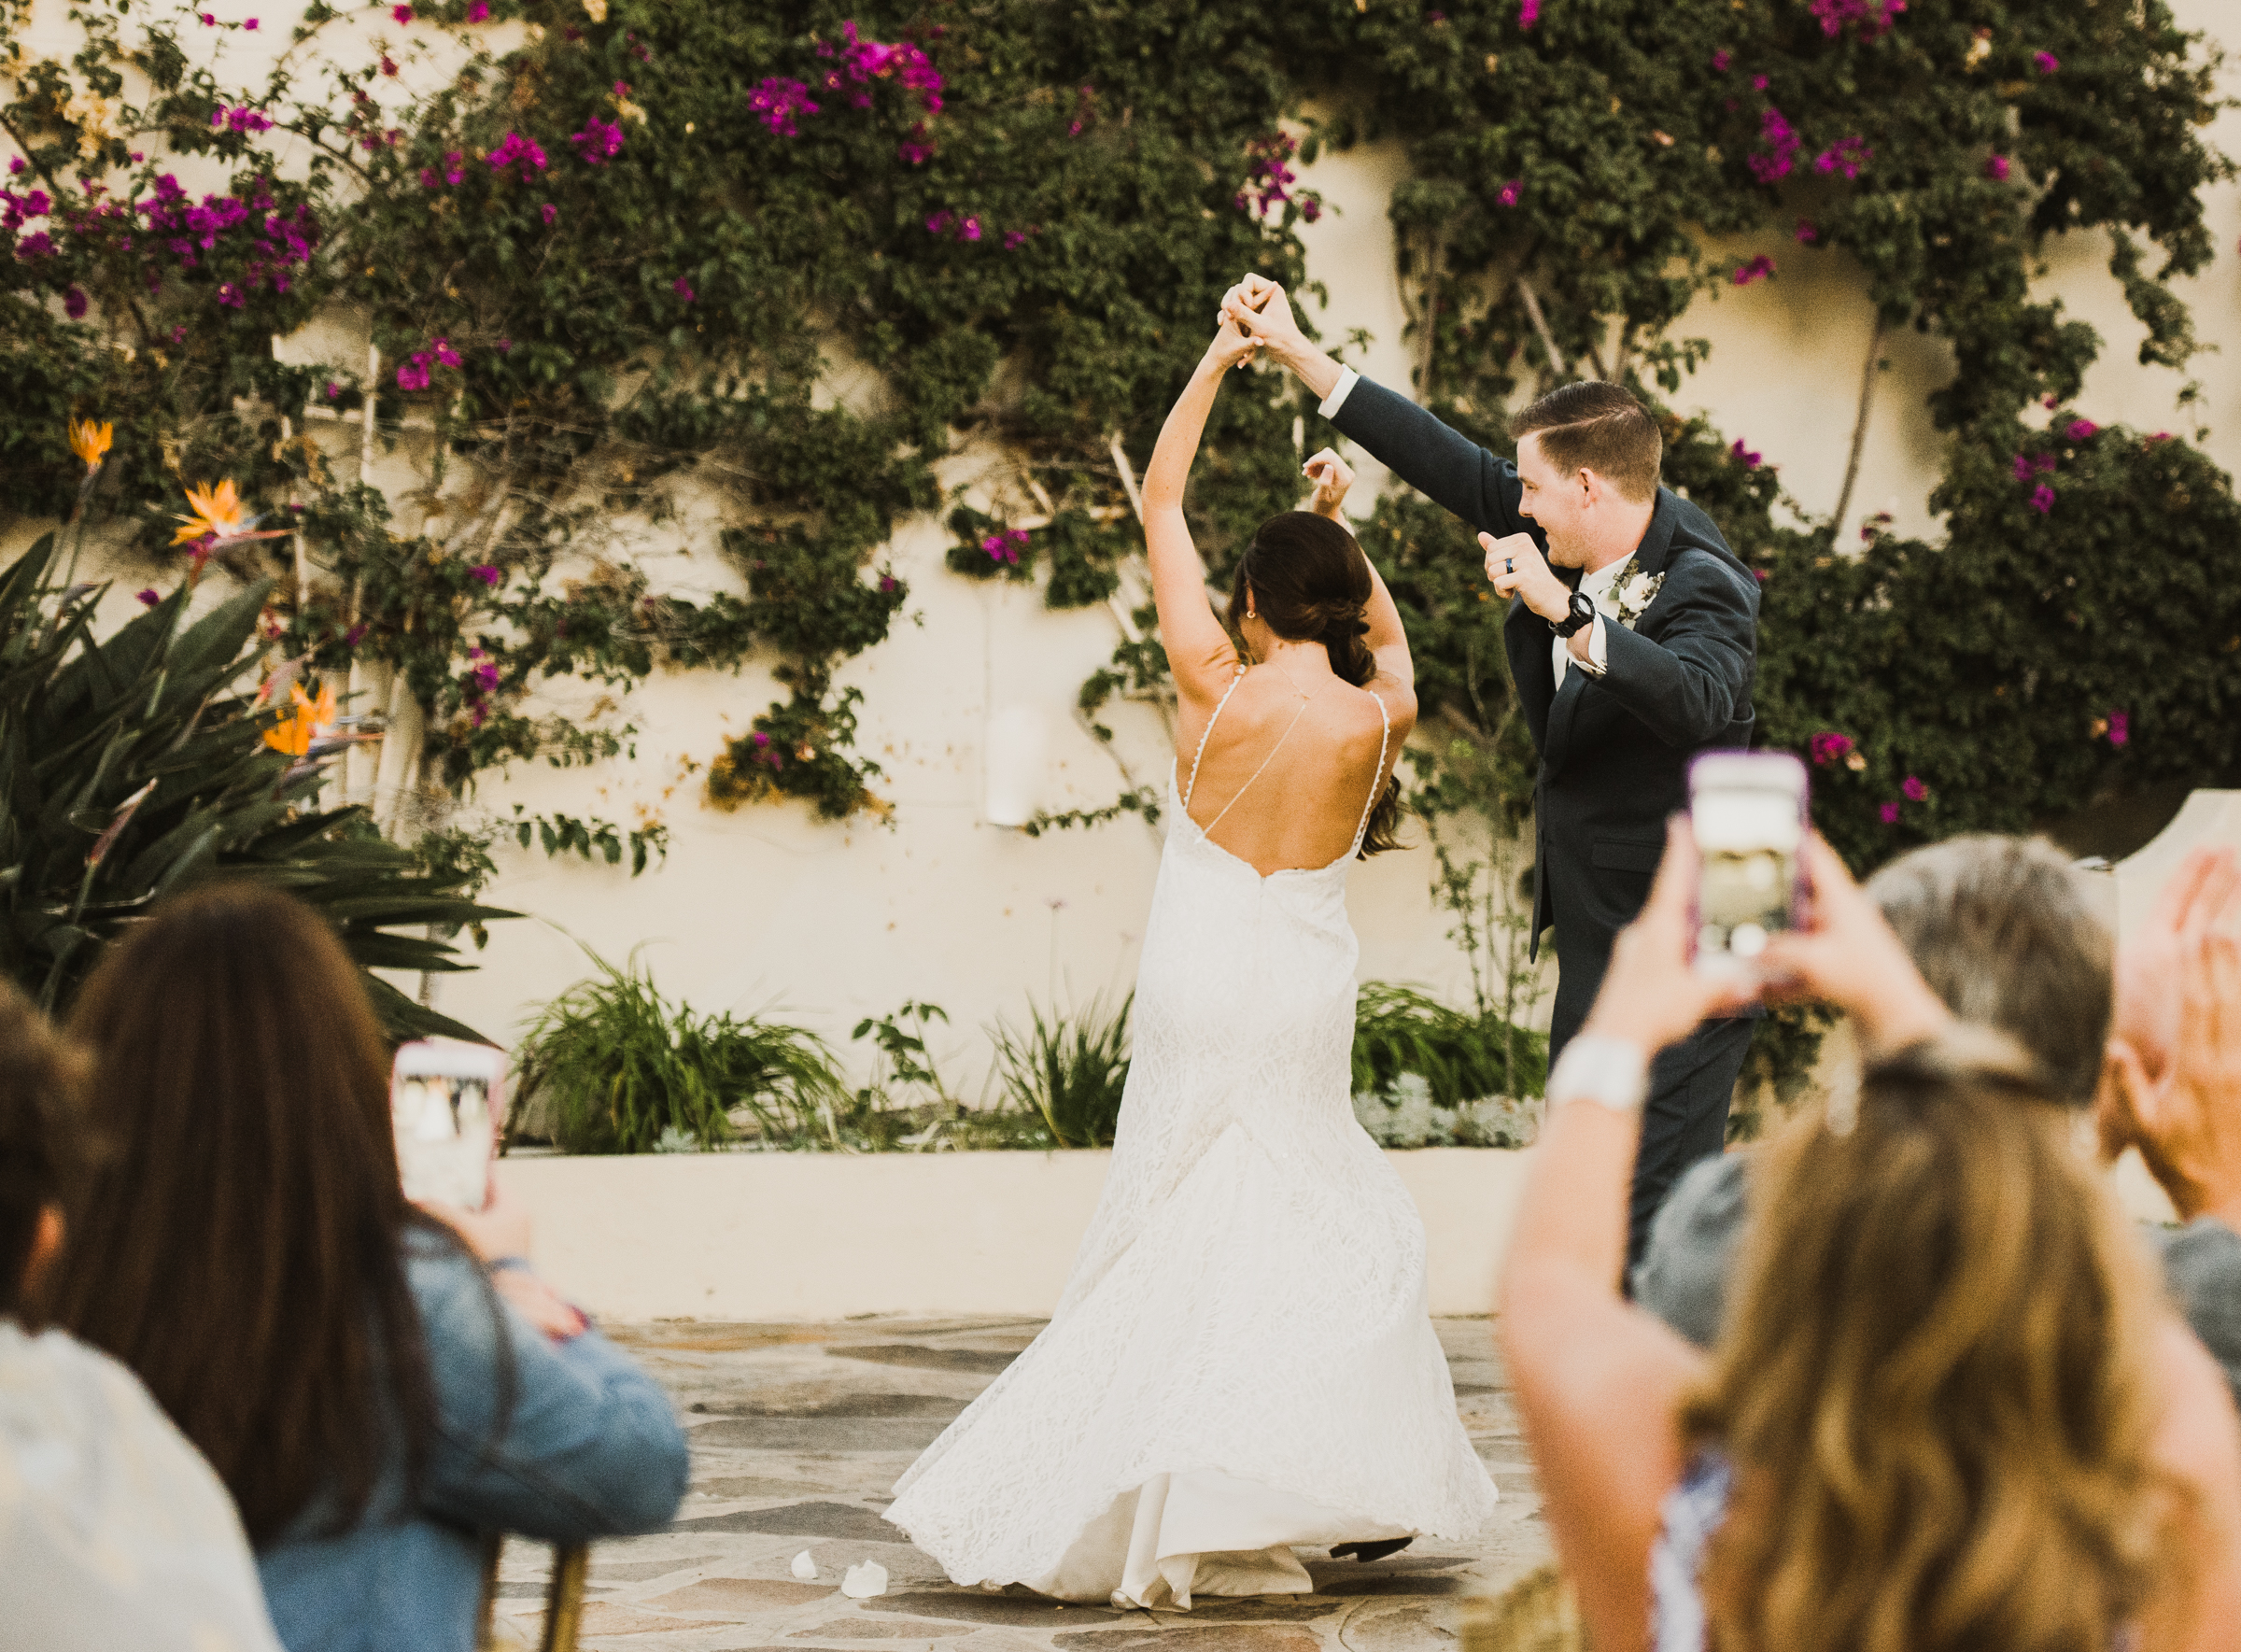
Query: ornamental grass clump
{"points": [[1071, 1070], [619, 1067], [1462, 1057]]}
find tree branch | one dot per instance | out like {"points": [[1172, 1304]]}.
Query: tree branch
{"points": [[1859, 426]]}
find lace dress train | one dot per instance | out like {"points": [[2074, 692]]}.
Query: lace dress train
{"points": [[1242, 1359]]}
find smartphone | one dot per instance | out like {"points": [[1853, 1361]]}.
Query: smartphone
{"points": [[1748, 811], [446, 1100]]}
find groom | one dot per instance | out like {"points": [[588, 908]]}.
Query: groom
{"points": [[1632, 641]]}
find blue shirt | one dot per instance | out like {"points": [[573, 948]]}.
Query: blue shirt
{"points": [[590, 1448]]}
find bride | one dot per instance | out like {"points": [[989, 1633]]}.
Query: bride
{"points": [[1242, 1359]]}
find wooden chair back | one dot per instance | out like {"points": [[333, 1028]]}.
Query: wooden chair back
{"points": [[563, 1595]]}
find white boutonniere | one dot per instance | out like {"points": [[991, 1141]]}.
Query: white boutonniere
{"points": [[1633, 592]]}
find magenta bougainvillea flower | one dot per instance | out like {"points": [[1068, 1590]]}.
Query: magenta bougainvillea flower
{"points": [[1529, 13], [683, 289], [1782, 144], [1849, 156], [2042, 499], [446, 354], [483, 572], [478, 11], [1758, 269], [1916, 792], [2046, 61], [224, 118], [515, 148], [548, 212], [2119, 728], [599, 142], [1014, 240], [74, 303], [401, 14], [917, 149], [777, 102], [860, 62], [1269, 178], [1890, 813], [1828, 746], [1510, 192], [1875, 18], [2081, 429], [1721, 58], [1749, 461], [1807, 233], [1004, 546], [147, 598], [1995, 168]]}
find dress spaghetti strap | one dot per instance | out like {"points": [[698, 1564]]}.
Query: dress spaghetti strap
{"points": [[1199, 757], [1385, 736]]}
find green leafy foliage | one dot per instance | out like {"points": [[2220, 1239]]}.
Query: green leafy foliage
{"points": [[135, 766], [620, 1068]]}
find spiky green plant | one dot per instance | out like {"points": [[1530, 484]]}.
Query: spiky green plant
{"points": [[620, 1064], [1461, 1056], [135, 765], [1071, 1070]]}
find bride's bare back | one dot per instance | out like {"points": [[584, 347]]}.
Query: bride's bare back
{"points": [[1280, 779], [1276, 763]]}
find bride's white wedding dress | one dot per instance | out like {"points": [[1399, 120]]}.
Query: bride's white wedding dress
{"points": [[1242, 1359]]}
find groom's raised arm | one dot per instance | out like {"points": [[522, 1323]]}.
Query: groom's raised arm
{"points": [[1448, 468]]}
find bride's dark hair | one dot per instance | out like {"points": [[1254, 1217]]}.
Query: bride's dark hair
{"points": [[1310, 582]]}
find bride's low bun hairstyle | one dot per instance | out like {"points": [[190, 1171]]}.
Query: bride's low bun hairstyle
{"points": [[1308, 581]]}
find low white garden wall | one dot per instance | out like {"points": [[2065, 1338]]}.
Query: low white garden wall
{"points": [[826, 1236]]}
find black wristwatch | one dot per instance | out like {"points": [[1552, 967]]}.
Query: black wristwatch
{"points": [[1582, 614]]}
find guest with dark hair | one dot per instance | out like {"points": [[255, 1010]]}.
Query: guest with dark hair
{"points": [[342, 1358], [113, 1532]]}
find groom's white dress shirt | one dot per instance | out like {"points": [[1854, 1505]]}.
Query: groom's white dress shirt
{"points": [[1599, 585]]}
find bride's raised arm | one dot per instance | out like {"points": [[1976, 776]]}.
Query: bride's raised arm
{"points": [[1198, 651]]}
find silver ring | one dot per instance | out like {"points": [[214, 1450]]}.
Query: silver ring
{"points": [[1509, 565]]}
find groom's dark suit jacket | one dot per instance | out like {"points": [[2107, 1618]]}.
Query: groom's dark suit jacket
{"points": [[1614, 751]]}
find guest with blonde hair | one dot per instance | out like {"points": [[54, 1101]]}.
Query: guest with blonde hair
{"points": [[1950, 1407]]}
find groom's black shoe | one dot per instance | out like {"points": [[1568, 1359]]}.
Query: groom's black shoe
{"points": [[1372, 1551]]}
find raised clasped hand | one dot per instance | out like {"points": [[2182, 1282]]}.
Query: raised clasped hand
{"points": [[1230, 347], [1516, 567], [1331, 478], [1258, 307]]}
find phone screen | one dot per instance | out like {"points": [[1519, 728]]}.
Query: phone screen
{"points": [[445, 1102], [1748, 813]]}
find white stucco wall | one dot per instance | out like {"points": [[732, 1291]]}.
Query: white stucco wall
{"points": [[768, 908]]}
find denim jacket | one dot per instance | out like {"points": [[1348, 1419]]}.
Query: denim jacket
{"points": [[590, 1448]]}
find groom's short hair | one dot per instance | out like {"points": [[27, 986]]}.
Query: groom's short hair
{"points": [[1599, 427]]}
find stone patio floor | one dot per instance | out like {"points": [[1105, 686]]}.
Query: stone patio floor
{"points": [[799, 1432]]}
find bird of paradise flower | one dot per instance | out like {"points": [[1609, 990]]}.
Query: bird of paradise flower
{"points": [[294, 733], [90, 442], [218, 521]]}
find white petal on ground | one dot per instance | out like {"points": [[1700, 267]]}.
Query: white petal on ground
{"points": [[804, 1566], [864, 1581]]}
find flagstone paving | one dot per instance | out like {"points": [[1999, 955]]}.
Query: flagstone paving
{"points": [[799, 1431]]}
